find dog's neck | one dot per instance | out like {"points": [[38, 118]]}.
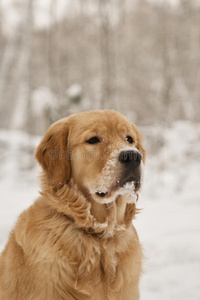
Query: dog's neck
{"points": [[88, 215], [100, 211]]}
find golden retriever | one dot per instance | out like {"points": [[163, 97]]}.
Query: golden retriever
{"points": [[77, 240]]}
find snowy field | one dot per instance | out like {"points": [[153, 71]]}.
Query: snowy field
{"points": [[169, 223]]}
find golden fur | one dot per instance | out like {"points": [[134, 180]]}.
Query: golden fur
{"points": [[51, 253]]}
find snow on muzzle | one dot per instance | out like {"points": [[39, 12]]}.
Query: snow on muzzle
{"points": [[129, 161]]}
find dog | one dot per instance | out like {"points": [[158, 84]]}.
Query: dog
{"points": [[77, 240]]}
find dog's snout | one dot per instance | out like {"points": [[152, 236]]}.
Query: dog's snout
{"points": [[130, 157]]}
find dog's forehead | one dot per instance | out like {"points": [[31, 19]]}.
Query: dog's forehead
{"points": [[107, 122]]}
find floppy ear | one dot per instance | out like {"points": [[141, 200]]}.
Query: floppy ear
{"points": [[139, 143], [52, 154]]}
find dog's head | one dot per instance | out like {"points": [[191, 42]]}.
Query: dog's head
{"points": [[100, 150]]}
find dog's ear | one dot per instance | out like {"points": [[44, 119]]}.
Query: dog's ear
{"points": [[52, 154], [139, 143]]}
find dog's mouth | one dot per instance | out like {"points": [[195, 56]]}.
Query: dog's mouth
{"points": [[136, 182], [101, 194], [133, 184]]}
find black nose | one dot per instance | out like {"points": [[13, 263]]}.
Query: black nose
{"points": [[130, 158]]}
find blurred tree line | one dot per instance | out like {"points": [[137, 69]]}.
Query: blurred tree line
{"points": [[139, 57]]}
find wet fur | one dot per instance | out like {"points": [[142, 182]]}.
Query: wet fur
{"points": [[48, 256]]}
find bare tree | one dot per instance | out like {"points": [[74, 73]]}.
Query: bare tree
{"points": [[54, 56], [7, 61], [105, 52], [22, 75], [0, 21]]}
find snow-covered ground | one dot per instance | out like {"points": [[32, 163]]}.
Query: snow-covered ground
{"points": [[169, 223]]}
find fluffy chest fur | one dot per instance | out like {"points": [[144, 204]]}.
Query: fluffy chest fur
{"points": [[70, 263]]}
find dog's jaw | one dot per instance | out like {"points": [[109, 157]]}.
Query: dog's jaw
{"points": [[128, 191]]}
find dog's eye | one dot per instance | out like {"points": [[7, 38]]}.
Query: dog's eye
{"points": [[93, 140], [129, 139]]}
